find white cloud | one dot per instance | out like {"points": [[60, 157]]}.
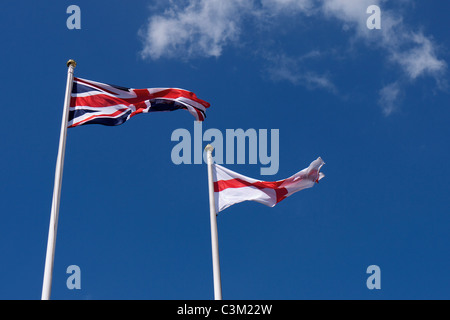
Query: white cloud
{"points": [[421, 59], [349, 11], [288, 6], [202, 28], [205, 27], [284, 68], [412, 51], [313, 80], [389, 96]]}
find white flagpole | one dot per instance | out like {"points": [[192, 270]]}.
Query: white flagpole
{"points": [[213, 217], [48, 271]]}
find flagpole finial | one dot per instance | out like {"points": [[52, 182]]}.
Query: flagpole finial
{"points": [[209, 148], [71, 63]]}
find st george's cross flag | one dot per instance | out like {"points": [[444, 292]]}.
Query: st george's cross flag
{"points": [[98, 103], [231, 187]]}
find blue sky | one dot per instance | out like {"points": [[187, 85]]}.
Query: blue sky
{"points": [[374, 104]]}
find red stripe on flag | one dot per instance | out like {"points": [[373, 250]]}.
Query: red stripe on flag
{"points": [[112, 115], [104, 100], [100, 101], [281, 194], [239, 183]]}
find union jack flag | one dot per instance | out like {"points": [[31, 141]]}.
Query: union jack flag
{"points": [[93, 102]]}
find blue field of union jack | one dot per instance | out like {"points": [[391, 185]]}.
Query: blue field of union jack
{"points": [[98, 103]]}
